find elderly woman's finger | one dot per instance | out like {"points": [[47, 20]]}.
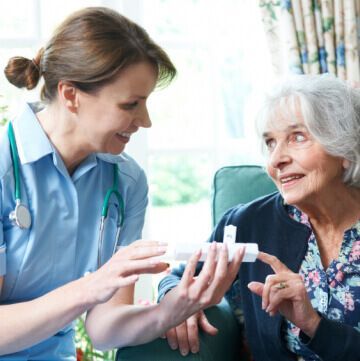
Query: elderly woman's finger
{"points": [[277, 297], [256, 287], [182, 338], [193, 333], [285, 290], [269, 282], [205, 325], [273, 262], [172, 338]]}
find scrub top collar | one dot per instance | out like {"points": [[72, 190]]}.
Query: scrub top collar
{"points": [[111, 158], [31, 140], [33, 144]]}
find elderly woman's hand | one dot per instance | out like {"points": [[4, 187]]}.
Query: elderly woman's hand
{"points": [[285, 292], [185, 336], [193, 294]]}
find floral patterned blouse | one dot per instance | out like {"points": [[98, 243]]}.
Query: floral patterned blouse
{"points": [[335, 291]]}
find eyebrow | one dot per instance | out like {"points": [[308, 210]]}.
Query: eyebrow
{"points": [[136, 97], [288, 128]]}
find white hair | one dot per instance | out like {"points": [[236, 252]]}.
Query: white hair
{"points": [[331, 111]]}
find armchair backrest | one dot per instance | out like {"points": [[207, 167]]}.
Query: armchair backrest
{"points": [[240, 184]]}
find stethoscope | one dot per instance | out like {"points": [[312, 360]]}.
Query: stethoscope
{"points": [[20, 216]]}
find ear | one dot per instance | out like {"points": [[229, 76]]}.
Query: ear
{"points": [[69, 96], [345, 164]]}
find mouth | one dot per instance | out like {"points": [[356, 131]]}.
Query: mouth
{"points": [[123, 136], [291, 179]]}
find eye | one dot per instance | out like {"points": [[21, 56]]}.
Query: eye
{"points": [[129, 106], [299, 137], [270, 143]]}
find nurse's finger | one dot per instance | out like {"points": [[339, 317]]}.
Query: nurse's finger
{"points": [[127, 281], [147, 243], [236, 261], [273, 262], [230, 269], [125, 268], [151, 250], [220, 268], [208, 269], [189, 272]]}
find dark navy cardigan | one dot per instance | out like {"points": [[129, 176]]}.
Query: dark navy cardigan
{"points": [[265, 221]]}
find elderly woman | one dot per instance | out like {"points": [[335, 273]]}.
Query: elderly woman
{"points": [[301, 299]]}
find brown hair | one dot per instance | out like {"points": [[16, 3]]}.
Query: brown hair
{"points": [[89, 49]]}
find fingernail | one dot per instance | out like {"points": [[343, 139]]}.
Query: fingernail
{"points": [[194, 350], [173, 346], [162, 249], [184, 352], [154, 262], [263, 306]]}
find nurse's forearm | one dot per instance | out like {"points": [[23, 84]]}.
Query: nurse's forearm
{"points": [[25, 324], [124, 325]]}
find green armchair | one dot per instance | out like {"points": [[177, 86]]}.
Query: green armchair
{"points": [[232, 185]]}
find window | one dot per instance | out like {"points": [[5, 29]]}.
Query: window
{"points": [[202, 121], [205, 119]]}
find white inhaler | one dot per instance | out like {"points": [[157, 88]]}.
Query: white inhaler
{"points": [[181, 252]]}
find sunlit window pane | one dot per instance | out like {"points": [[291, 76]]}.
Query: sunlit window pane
{"points": [[17, 19]]}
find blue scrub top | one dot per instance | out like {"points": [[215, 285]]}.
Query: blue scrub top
{"points": [[62, 243]]}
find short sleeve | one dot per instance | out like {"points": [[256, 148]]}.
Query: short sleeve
{"points": [[2, 245], [2, 254], [135, 207]]}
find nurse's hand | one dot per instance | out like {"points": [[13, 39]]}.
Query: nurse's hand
{"points": [[193, 294], [285, 292], [123, 269]]}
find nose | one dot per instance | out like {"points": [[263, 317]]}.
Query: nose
{"points": [[143, 118], [280, 156]]}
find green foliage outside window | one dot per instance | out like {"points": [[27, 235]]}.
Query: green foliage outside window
{"points": [[178, 180], [84, 349], [3, 113]]}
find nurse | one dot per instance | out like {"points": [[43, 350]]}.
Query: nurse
{"points": [[58, 162]]}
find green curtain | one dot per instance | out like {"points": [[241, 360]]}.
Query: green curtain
{"points": [[313, 36]]}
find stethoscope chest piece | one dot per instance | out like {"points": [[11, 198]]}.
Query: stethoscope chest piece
{"points": [[20, 216]]}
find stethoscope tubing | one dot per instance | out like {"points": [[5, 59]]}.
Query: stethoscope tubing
{"points": [[15, 160], [20, 208]]}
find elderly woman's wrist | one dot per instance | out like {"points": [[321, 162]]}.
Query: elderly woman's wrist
{"points": [[309, 329]]}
